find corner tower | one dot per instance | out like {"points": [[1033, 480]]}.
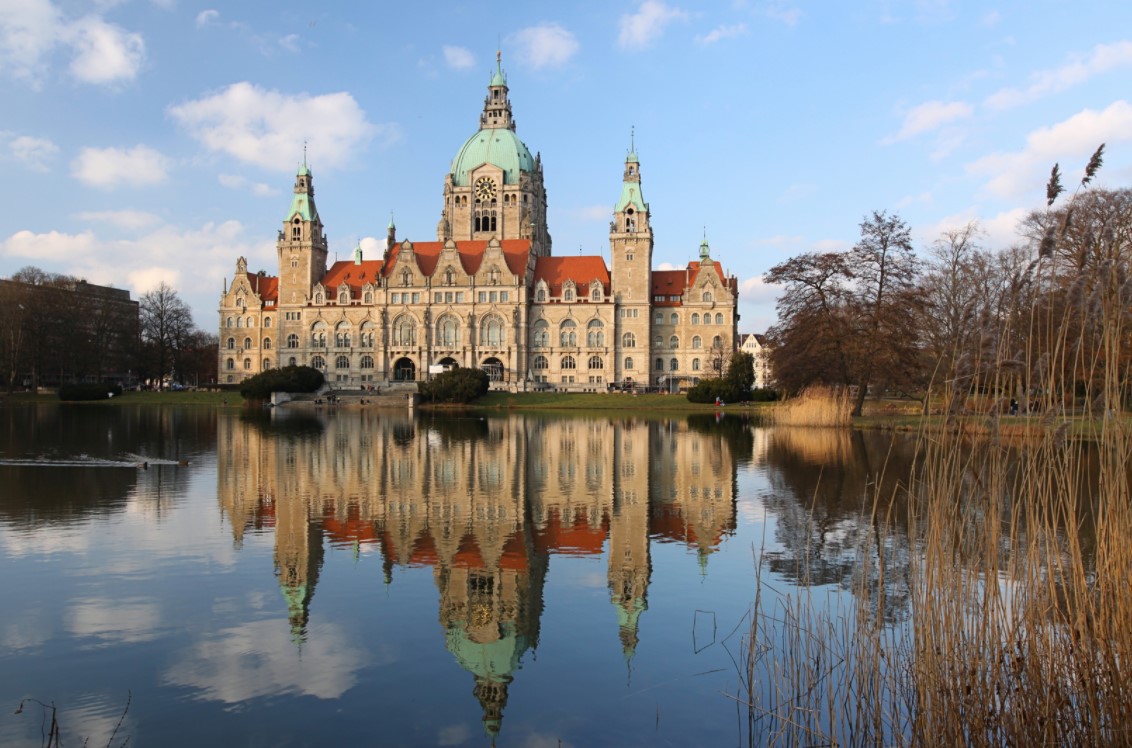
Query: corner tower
{"points": [[495, 187], [630, 246], [301, 244]]}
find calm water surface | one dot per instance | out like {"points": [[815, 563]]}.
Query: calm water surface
{"points": [[366, 578]]}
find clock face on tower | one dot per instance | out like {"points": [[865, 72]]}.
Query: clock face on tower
{"points": [[485, 188]]}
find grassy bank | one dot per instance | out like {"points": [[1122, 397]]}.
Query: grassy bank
{"points": [[615, 403]]}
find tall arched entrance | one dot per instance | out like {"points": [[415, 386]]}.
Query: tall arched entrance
{"points": [[404, 370], [494, 369]]}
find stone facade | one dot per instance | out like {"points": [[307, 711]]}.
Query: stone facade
{"points": [[487, 293]]}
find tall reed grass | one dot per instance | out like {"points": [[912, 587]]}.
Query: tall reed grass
{"points": [[1016, 569], [815, 406]]}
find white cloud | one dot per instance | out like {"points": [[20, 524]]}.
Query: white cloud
{"points": [[110, 167], [198, 258], [990, 19], [929, 116], [1105, 57], [778, 11], [924, 198], [105, 53], [831, 245], [290, 43], [780, 240], [722, 32], [30, 30], [756, 291], [207, 18], [458, 58], [640, 29], [547, 45], [123, 219], [999, 231], [32, 152], [668, 266], [269, 128], [118, 621], [236, 182], [259, 659], [1023, 174]]}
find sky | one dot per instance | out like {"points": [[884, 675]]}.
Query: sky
{"points": [[145, 141]]}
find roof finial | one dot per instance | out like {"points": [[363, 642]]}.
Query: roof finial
{"points": [[305, 153], [632, 138], [391, 224]]}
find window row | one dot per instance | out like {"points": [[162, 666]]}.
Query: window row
{"points": [[674, 318], [541, 363], [242, 322]]}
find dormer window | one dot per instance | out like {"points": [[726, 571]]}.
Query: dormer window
{"points": [[568, 293]]}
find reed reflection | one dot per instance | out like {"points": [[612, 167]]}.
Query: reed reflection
{"points": [[484, 502]]}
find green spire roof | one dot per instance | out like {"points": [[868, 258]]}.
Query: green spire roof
{"points": [[631, 195], [499, 78]]}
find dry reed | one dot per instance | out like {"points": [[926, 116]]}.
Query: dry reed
{"points": [[815, 406]]}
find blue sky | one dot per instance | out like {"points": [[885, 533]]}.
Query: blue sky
{"points": [[150, 140]]}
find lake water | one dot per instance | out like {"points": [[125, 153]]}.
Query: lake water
{"points": [[367, 578]]}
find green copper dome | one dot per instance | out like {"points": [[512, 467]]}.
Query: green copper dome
{"points": [[499, 147]]}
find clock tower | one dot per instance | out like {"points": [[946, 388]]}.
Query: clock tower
{"points": [[495, 187], [630, 246]]}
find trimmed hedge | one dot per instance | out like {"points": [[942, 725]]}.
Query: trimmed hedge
{"points": [[286, 379], [89, 391], [735, 387], [455, 386]]}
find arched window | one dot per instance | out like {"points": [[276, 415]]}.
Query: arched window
{"points": [[318, 362], [491, 331], [296, 229], [368, 297], [239, 322], [230, 364], [596, 362], [717, 342], [228, 322], [674, 318], [595, 333], [406, 278], [365, 339], [318, 298], [657, 341], [673, 365], [251, 321], [367, 362], [707, 319], [448, 331], [241, 303], [696, 341], [718, 318], [568, 362], [660, 318], [247, 343], [266, 364], [342, 335], [292, 361], [540, 295], [659, 365], [247, 364], [568, 333], [318, 335], [541, 362], [628, 363], [343, 296], [449, 277], [540, 333], [404, 331], [292, 341], [674, 342], [706, 296], [267, 344], [695, 319], [267, 321], [695, 364], [568, 292], [342, 362], [596, 292], [231, 344], [628, 340]]}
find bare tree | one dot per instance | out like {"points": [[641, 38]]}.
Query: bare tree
{"points": [[886, 295], [166, 323]]}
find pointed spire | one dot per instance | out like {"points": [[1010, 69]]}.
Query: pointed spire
{"points": [[705, 250], [358, 254], [391, 224], [496, 107], [632, 157]]}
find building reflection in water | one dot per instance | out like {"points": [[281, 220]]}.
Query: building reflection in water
{"points": [[484, 502]]}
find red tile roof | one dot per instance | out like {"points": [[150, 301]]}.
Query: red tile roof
{"points": [[515, 253], [267, 286], [582, 270], [668, 283]]}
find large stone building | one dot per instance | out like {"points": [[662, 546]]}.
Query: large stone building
{"points": [[487, 293]]}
